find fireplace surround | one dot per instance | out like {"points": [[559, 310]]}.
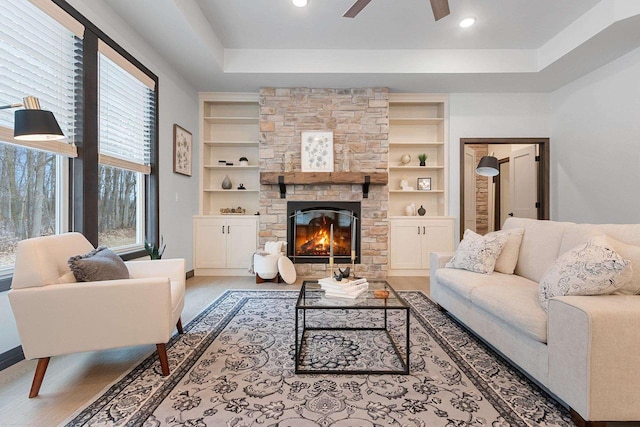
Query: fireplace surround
{"points": [[308, 230]]}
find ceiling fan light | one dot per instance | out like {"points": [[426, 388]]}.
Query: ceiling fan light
{"points": [[467, 22], [299, 3]]}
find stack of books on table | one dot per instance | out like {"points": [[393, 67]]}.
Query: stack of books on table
{"points": [[344, 288]]}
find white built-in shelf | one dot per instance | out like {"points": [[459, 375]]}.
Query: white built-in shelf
{"points": [[408, 144], [232, 143], [231, 120], [415, 168], [415, 120], [417, 191], [233, 190], [231, 167]]}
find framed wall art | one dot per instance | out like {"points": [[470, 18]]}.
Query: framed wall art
{"points": [[317, 152], [182, 150], [424, 184]]}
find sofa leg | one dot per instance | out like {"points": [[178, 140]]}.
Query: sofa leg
{"points": [[179, 326], [39, 376], [164, 361], [581, 422]]}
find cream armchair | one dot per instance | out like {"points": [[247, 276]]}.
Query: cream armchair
{"points": [[56, 315]]}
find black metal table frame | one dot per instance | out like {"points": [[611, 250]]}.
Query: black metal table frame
{"points": [[298, 342]]}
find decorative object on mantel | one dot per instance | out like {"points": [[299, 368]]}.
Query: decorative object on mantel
{"points": [[404, 184], [288, 161], [222, 162], [244, 161], [345, 158], [229, 164], [226, 183], [423, 159], [182, 150], [317, 152], [422, 211], [233, 211], [241, 187], [405, 159], [424, 184]]}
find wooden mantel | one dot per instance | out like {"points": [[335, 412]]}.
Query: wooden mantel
{"points": [[312, 178]]}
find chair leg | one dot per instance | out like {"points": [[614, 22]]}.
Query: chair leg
{"points": [[39, 376], [164, 361], [179, 326]]}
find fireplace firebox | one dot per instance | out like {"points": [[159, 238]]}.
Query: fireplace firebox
{"points": [[309, 228]]}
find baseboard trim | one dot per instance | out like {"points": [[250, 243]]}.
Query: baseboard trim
{"points": [[11, 357], [190, 274]]}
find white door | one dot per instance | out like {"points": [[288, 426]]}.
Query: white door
{"points": [[210, 243], [242, 236], [523, 179], [405, 244], [469, 188]]}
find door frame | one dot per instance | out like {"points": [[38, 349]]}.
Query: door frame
{"points": [[496, 196], [543, 170]]}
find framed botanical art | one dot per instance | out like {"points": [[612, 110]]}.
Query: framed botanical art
{"points": [[424, 184], [182, 150], [317, 152]]}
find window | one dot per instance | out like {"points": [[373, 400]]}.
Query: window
{"points": [[40, 57], [127, 123]]}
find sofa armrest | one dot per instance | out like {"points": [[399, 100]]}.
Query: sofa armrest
{"points": [[88, 316], [437, 260], [594, 355]]}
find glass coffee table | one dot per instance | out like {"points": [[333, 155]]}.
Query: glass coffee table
{"points": [[365, 335]]}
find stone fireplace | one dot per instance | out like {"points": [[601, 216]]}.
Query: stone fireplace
{"points": [[359, 120]]}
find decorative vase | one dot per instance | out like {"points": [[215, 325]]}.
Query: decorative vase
{"points": [[423, 163], [410, 210], [226, 183], [422, 211]]}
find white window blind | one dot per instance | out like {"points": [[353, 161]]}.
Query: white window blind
{"points": [[126, 107], [42, 58]]}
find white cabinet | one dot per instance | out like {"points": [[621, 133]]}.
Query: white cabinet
{"points": [[223, 246], [411, 241]]}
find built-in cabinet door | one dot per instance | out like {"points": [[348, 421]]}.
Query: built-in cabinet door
{"points": [[210, 243], [438, 237], [241, 241], [406, 244]]}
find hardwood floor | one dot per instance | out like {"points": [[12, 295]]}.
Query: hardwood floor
{"points": [[74, 379]]}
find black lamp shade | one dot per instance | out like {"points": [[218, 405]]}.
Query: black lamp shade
{"points": [[36, 125], [488, 166]]}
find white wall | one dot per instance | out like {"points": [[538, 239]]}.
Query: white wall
{"points": [[491, 115], [595, 148], [178, 104]]}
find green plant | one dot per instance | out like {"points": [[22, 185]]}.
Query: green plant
{"points": [[422, 157], [155, 252]]}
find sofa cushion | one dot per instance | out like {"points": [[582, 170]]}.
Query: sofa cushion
{"points": [[506, 262], [516, 304], [478, 253], [632, 253], [540, 245], [593, 268], [464, 282]]}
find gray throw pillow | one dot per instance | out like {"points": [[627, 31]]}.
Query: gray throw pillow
{"points": [[99, 264]]}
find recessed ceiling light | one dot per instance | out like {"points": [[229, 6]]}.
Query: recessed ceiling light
{"points": [[467, 22], [299, 3]]}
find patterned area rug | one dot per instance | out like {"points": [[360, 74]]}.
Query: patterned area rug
{"points": [[234, 367]]}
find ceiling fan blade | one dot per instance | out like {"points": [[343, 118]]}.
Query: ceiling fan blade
{"points": [[356, 8], [440, 8]]}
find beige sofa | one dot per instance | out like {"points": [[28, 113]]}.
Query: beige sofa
{"points": [[586, 351]]}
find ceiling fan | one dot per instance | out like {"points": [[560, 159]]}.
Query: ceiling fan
{"points": [[440, 8]]}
